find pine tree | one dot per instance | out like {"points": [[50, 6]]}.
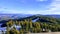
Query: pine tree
{"points": [[7, 29], [30, 23]]}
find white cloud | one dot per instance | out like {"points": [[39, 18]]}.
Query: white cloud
{"points": [[54, 8]]}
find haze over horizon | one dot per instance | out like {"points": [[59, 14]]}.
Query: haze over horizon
{"points": [[30, 7]]}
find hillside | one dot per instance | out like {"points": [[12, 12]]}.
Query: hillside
{"points": [[36, 18], [33, 24]]}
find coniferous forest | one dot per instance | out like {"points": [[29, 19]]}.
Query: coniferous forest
{"points": [[32, 24]]}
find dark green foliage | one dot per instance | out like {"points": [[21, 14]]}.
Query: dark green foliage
{"points": [[43, 24]]}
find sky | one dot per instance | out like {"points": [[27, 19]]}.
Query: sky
{"points": [[30, 7]]}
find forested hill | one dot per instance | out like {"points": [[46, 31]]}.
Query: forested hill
{"points": [[36, 18], [49, 23], [41, 18]]}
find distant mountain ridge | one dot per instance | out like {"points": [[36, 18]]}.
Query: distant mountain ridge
{"points": [[54, 16], [13, 16], [17, 16]]}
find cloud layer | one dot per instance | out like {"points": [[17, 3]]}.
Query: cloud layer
{"points": [[53, 8]]}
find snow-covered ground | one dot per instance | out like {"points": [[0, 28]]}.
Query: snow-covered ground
{"points": [[35, 20], [4, 28]]}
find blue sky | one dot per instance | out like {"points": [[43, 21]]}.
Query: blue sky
{"points": [[30, 6]]}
